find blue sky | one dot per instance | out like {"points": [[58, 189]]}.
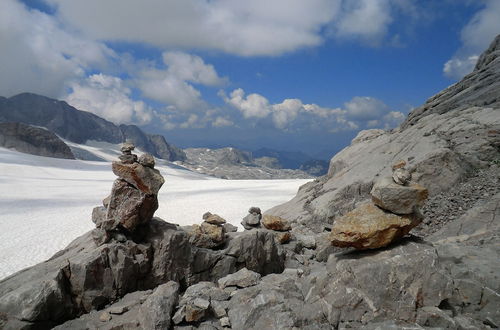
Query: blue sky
{"points": [[287, 74]]}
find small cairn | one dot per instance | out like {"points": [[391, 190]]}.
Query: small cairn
{"points": [[279, 225], [252, 220], [210, 234], [393, 212], [133, 199]]}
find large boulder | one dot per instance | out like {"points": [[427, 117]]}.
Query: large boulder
{"points": [[148, 180], [370, 227]]}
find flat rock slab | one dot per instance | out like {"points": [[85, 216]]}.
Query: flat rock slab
{"points": [[370, 227], [242, 279], [146, 179], [398, 198]]}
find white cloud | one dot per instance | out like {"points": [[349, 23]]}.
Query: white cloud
{"points": [[256, 27], [476, 37], [191, 68], [286, 112], [172, 85], [222, 122], [365, 108], [35, 49], [251, 106], [109, 98]]}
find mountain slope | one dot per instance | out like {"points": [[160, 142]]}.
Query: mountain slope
{"points": [[455, 132], [80, 126]]}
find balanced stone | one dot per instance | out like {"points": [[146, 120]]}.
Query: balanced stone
{"points": [[397, 198], [128, 158], [401, 176], [148, 180], [127, 148], [147, 160], [370, 227], [215, 219]]}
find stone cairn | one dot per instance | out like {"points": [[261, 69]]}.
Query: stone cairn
{"points": [[211, 233], [254, 220], [394, 211], [133, 199]]}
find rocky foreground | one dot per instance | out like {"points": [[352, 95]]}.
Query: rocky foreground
{"points": [[288, 269]]}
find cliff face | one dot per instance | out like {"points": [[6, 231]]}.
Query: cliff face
{"points": [[33, 140], [452, 134]]}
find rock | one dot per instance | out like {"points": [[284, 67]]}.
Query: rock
{"points": [[179, 315], [229, 228], [147, 180], [369, 227], [129, 207], [397, 198], [105, 317], [242, 279], [283, 237], [252, 219], [307, 241], [127, 148], [225, 322], [156, 311], [147, 160], [128, 159], [399, 164], [206, 235], [255, 210], [100, 236], [258, 250], [195, 313], [401, 176], [434, 317], [215, 219], [275, 223], [33, 140]]}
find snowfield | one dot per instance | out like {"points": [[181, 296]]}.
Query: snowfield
{"points": [[45, 203]]}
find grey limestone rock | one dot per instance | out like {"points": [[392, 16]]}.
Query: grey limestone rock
{"points": [[156, 311], [147, 160], [396, 198], [401, 176], [242, 279]]}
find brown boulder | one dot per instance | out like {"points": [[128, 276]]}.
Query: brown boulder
{"points": [[146, 179], [215, 219], [275, 223], [206, 235], [370, 227]]}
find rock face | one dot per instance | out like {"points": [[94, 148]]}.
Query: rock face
{"points": [[442, 141], [369, 227], [33, 140], [79, 126]]}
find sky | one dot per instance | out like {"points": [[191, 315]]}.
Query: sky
{"points": [[295, 75]]}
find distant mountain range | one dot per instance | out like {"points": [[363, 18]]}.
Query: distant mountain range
{"points": [[80, 126]]}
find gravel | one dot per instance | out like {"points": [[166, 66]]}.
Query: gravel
{"points": [[445, 207]]}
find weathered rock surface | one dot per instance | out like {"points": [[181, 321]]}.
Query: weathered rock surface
{"points": [[33, 140], [275, 223], [206, 235], [397, 198], [147, 180], [242, 279], [369, 227], [84, 276]]}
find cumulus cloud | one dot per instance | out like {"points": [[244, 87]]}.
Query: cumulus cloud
{"points": [[109, 98], [365, 108], [36, 49], [293, 114], [173, 84], [475, 36], [222, 122], [257, 27]]}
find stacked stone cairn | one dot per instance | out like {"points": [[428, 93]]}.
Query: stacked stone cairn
{"points": [[393, 212], [133, 199], [255, 220], [211, 233]]}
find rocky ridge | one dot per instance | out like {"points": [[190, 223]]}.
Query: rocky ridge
{"points": [[80, 126], [33, 140], [231, 163]]}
